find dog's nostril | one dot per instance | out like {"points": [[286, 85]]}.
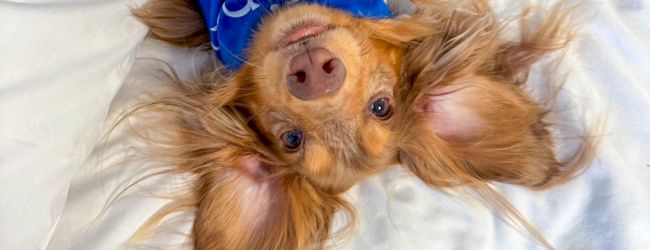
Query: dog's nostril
{"points": [[328, 67], [301, 76]]}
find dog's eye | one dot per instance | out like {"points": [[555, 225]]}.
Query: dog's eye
{"points": [[380, 108], [292, 139]]}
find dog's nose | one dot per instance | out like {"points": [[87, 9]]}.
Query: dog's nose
{"points": [[315, 73]]}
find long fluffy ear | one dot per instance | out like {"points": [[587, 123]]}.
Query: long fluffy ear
{"points": [[487, 130], [174, 21], [463, 117], [467, 118], [250, 206]]}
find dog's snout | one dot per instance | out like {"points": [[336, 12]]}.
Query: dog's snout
{"points": [[315, 73]]}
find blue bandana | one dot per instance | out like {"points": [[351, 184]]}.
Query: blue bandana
{"points": [[232, 22]]}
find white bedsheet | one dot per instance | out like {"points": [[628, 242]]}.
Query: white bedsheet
{"points": [[608, 207], [61, 63]]}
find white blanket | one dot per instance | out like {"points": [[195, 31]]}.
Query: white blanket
{"points": [[62, 62]]}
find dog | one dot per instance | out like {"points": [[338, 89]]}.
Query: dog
{"points": [[323, 99]]}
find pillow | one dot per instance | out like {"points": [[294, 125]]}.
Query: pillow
{"points": [[61, 64]]}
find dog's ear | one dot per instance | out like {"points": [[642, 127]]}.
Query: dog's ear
{"points": [[254, 205], [477, 129], [178, 22], [464, 117]]}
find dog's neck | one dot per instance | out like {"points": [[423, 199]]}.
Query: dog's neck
{"points": [[233, 22]]}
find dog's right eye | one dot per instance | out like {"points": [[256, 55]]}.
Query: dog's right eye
{"points": [[292, 139]]}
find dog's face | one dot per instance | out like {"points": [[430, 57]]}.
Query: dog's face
{"points": [[322, 93]]}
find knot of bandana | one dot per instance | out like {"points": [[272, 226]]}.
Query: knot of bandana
{"points": [[231, 23]]}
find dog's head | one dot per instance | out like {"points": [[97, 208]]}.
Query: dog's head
{"points": [[320, 89], [326, 99]]}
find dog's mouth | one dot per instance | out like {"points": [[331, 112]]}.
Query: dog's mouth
{"points": [[301, 33]]}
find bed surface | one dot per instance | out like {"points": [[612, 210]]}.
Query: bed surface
{"points": [[68, 67]]}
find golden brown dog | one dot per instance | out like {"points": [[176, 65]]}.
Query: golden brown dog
{"points": [[274, 144]]}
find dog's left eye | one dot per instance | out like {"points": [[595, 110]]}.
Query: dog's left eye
{"points": [[380, 108], [292, 139]]}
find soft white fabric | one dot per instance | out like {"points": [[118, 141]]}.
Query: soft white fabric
{"points": [[61, 63], [106, 173], [606, 208]]}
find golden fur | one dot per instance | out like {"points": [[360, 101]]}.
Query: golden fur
{"points": [[251, 193]]}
